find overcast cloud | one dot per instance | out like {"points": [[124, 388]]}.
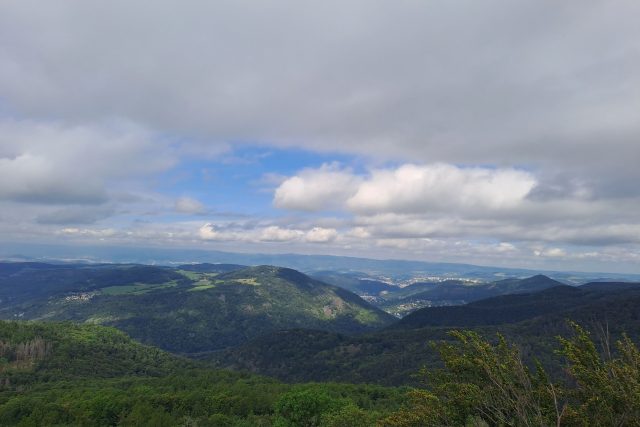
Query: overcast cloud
{"points": [[465, 130]]}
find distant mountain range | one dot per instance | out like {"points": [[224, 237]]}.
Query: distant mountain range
{"points": [[403, 300], [397, 270]]}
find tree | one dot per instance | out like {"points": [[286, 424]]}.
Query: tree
{"points": [[305, 408], [607, 386], [482, 383]]}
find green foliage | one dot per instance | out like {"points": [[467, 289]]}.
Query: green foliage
{"points": [[491, 382], [305, 408], [349, 416], [97, 376], [607, 388], [486, 383], [337, 405]]}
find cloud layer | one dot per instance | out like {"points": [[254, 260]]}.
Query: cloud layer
{"points": [[500, 127]]}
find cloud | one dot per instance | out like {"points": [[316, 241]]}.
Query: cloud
{"points": [[265, 233], [88, 232], [498, 83], [277, 234], [359, 233], [53, 163], [188, 205], [477, 123], [414, 189], [209, 232], [408, 189], [75, 215], [551, 252], [321, 235], [316, 189]]}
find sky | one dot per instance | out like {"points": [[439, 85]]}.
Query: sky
{"points": [[495, 132]]}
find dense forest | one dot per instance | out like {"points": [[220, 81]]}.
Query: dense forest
{"points": [[61, 374]]}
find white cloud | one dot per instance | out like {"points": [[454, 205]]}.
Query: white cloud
{"points": [[265, 233], [277, 234], [188, 205], [413, 189], [359, 233], [210, 232], [316, 189], [321, 235], [550, 252], [89, 232], [408, 188]]}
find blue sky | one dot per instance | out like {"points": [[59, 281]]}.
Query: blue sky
{"points": [[494, 133], [242, 180]]}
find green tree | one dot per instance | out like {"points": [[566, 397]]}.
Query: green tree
{"points": [[305, 408], [607, 383], [143, 414], [482, 383], [348, 416]]}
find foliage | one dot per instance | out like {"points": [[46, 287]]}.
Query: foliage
{"points": [[305, 408], [607, 388], [93, 375], [486, 383]]}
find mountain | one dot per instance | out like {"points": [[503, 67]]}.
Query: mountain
{"points": [[460, 291], [609, 286], [515, 307], [396, 269], [496, 310], [393, 355], [457, 292], [187, 311], [23, 282]]}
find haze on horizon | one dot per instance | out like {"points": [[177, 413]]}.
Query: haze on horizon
{"points": [[495, 133]]}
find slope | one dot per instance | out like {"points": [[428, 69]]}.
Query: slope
{"points": [[197, 312], [64, 374], [393, 355]]}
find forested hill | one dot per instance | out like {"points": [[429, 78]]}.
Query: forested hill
{"points": [[72, 350], [186, 311], [393, 355], [67, 374], [517, 307]]}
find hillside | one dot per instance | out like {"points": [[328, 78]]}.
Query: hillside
{"points": [[27, 282], [188, 311], [74, 350], [456, 292], [66, 374], [510, 308], [393, 355]]}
